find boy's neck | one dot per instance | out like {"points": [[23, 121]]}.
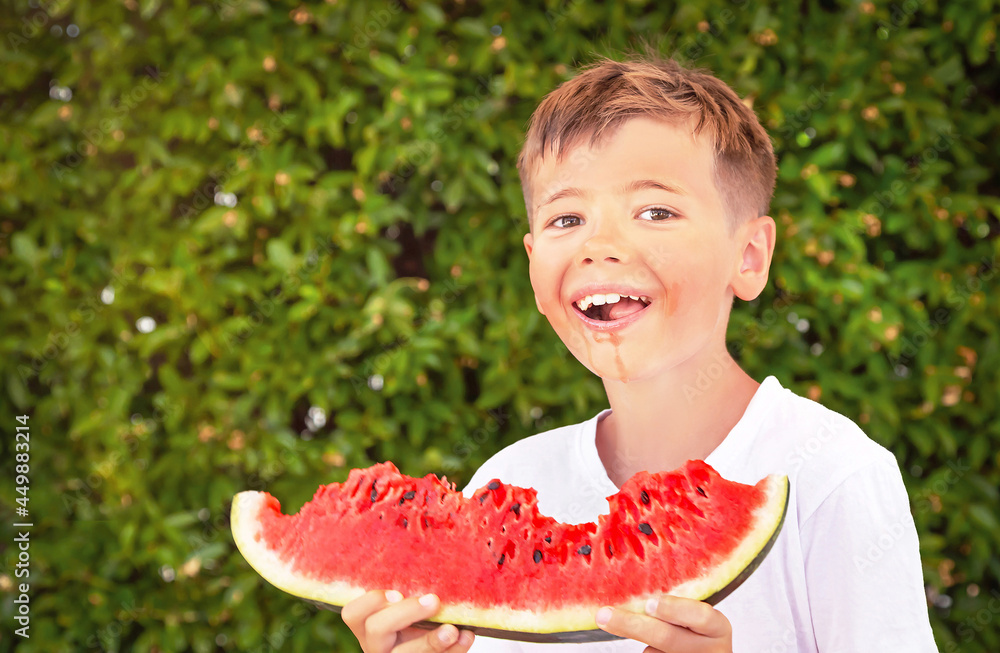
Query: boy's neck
{"points": [[658, 425]]}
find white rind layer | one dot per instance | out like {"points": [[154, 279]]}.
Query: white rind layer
{"points": [[766, 520], [279, 572]]}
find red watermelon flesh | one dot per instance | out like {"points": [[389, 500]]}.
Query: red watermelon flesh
{"points": [[497, 564]]}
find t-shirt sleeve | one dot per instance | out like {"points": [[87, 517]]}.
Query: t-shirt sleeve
{"points": [[481, 477], [863, 572]]}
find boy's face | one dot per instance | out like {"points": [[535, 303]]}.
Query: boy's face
{"points": [[638, 214]]}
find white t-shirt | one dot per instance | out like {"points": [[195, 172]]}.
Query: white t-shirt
{"points": [[844, 575]]}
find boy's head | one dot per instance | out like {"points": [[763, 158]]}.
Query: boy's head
{"points": [[647, 188], [592, 106]]}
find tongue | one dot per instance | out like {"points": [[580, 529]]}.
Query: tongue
{"points": [[624, 307]]}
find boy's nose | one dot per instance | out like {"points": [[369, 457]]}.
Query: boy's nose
{"points": [[611, 259], [604, 247]]}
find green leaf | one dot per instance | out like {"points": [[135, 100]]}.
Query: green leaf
{"points": [[434, 15], [24, 248], [829, 154], [378, 266], [950, 72], [280, 254], [986, 518]]}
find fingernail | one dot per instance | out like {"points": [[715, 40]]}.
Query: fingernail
{"points": [[446, 635], [651, 606], [466, 638], [603, 616], [427, 600], [392, 596]]}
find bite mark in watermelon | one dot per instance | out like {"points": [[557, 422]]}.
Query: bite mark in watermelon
{"points": [[499, 566]]}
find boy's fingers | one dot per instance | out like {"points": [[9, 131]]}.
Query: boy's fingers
{"points": [[638, 627], [656, 632], [357, 611], [397, 616], [446, 639], [383, 619], [465, 639], [696, 616]]}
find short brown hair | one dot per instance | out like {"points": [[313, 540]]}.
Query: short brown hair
{"points": [[607, 93]]}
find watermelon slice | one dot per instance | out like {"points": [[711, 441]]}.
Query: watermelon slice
{"points": [[500, 567]]}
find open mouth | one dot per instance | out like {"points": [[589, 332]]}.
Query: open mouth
{"points": [[611, 307]]}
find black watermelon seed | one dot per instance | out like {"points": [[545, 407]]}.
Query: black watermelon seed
{"points": [[405, 523], [538, 555], [548, 538], [701, 492], [516, 509], [645, 528], [584, 550], [503, 556], [374, 491], [494, 485], [482, 497], [409, 495], [644, 497], [424, 520]]}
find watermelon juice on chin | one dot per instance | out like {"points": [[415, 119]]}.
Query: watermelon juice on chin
{"points": [[499, 566]]}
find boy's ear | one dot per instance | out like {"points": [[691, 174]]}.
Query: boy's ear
{"points": [[529, 243], [756, 237]]}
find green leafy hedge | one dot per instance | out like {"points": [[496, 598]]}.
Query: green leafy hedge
{"points": [[249, 245]]}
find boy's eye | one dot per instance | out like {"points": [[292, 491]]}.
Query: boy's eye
{"points": [[659, 214], [555, 220]]}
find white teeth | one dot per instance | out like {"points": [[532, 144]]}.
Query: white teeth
{"points": [[610, 298]]}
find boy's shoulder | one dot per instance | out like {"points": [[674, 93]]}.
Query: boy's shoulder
{"points": [[809, 432], [821, 450]]}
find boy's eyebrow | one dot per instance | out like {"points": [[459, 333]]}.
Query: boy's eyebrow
{"points": [[627, 189], [647, 184]]}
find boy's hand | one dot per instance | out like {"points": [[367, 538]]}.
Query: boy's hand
{"points": [[381, 621], [672, 625]]}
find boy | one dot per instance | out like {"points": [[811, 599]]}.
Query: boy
{"points": [[647, 188]]}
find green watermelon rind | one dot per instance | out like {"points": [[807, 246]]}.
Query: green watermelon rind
{"points": [[721, 593], [573, 624]]}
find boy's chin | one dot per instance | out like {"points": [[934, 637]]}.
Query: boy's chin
{"points": [[611, 372]]}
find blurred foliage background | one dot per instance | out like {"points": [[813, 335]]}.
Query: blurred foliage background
{"points": [[250, 245]]}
